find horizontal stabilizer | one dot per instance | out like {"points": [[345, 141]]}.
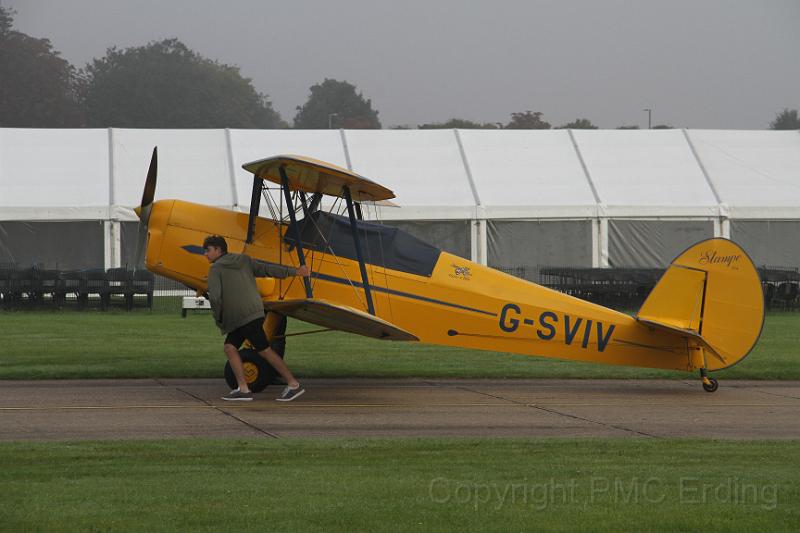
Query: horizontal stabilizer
{"points": [[688, 333], [339, 317]]}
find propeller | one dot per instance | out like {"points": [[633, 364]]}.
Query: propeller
{"points": [[146, 207]]}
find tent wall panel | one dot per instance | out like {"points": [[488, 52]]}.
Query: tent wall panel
{"points": [[58, 244], [769, 242], [129, 233], [653, 243], [530, 243], [452, 236]]}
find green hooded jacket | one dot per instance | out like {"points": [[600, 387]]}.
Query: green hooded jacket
{"points": [[232, 289]]}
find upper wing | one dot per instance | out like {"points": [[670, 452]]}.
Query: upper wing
{"points": [[312, 175]]}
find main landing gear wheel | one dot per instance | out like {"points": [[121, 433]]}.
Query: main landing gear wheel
{"points": [[710, 384], [257, 372]]}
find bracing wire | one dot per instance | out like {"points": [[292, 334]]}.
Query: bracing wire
{"points": [[294, 207], [326, 246], [383, 264]]}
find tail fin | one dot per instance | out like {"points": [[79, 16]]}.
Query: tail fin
{"points": [[712, 294]]}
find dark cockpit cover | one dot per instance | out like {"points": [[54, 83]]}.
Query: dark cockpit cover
{"points": [[381, 245]]}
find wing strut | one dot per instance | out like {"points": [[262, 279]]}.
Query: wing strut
{"points": [[293, 218], [255, 203], [359, 253]]}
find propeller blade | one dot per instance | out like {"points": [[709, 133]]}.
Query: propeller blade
{"points": [[145, 208], [150, 183]]}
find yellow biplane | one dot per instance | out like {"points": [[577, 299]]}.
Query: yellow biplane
{"points": [[705, 313]]}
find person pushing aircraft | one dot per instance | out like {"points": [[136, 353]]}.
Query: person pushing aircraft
{"points": [[239, 312]]}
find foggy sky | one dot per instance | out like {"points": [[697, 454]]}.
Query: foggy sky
{"points": [[697, 63]]}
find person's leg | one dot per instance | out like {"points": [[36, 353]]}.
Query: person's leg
{"points": [[254, 332], [235, 361], [277, 363]]}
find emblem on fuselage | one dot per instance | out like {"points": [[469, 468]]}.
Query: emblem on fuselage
{"points": [[461, 272]]}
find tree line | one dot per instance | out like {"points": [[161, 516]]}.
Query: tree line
{"points": [[164, 84]]}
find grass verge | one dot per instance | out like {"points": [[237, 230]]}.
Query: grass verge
{"points": [[69, 344], [400, 485]]}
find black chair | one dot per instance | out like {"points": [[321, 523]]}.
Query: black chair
{"points": [[142, 283], [5, 285], [769, 294], [51, 284], [72, 285], [786, 294], [120, 283], [23, 286], [93, 281]]}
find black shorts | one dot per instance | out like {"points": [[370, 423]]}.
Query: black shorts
{"points": [[253, 332]]}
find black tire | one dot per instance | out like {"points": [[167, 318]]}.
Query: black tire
{"points": [[712, 386], [256, 370]]}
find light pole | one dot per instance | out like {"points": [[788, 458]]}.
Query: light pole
{"points": [[330, 119], [649, 117]]}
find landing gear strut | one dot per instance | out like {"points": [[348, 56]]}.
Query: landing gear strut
{"points": [[709, 384]]}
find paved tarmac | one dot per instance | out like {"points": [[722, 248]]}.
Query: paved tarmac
{"points": [[185, 408]]}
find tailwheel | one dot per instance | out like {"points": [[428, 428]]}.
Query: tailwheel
{"points": [[709, 384]]}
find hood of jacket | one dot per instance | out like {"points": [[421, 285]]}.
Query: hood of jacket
{"points": [[235, 261]]}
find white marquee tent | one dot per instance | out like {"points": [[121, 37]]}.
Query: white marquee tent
{"points": [[506, 198]]}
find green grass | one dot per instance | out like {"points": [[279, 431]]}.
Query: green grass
{"points": [[400, 485], [70, 344]]}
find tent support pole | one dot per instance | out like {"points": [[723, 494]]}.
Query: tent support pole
{"points": [[725, 228], [603, 234], [483, 242], [595, 243]]}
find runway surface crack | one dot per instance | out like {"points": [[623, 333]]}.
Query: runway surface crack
{"points": [[227, 413], [775, 394], [555, 412]]}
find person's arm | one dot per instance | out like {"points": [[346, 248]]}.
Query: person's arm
{"points": [[264, 269], [215, 295]]}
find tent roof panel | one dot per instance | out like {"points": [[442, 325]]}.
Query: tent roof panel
{"points": [[526, 168], [251, 145], [653, 167], [53, 168], [192, 165], [422, 167], [751, 168]]}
